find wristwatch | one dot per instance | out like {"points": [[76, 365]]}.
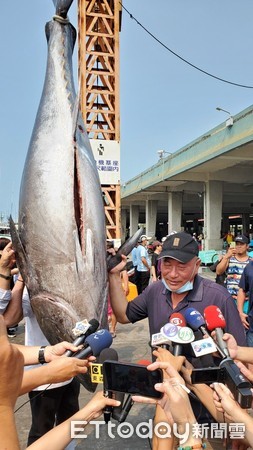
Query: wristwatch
{"points": [[41, 355]]}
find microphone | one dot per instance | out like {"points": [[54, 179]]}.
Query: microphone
{"points": [[125, 409], [195, 320], [168, 331], [197, 323], [178, 319], [158, 339], [215, 321], [185, 336], [93, 326], [95, 343], [234, 379], [112, 355]]}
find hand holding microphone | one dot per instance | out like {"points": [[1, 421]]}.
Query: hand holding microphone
{"points": [[163, 355], [109, 411], [120, 412], [233, 378]]}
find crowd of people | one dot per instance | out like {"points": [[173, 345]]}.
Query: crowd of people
{"points": [[168, 282]]}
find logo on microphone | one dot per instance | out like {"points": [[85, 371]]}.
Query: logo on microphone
{"points": [[99, 333], [169, 330], [177, 321], [96, 372], [185, 334], [81, 328], [220, 315]]}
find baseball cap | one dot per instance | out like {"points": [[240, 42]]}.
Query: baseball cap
{"points": [[144, 238], [180, 246], [165, 237], [242, 239], [155, 244]]}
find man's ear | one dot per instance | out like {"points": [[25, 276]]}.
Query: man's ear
{"points": [[198, 262]]}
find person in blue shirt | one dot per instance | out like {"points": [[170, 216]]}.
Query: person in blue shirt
{"points": [[143, 265]]}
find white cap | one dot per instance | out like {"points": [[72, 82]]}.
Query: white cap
{"points": [[144, 238]]}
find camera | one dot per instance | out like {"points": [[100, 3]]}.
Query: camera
{"points": [[229, 374], [132, 379]]}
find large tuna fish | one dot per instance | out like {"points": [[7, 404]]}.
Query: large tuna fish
{"points": [[61, 240]]}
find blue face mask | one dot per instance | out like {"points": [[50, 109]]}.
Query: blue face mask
{"points": [[188, 286]]}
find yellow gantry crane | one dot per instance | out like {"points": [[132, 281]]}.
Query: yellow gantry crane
{"points": [[99, 24]]}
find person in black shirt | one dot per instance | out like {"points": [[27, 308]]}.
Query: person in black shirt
{"points": [[155, 264]]}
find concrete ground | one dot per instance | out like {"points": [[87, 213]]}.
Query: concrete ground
{"points": [[131, 344]]}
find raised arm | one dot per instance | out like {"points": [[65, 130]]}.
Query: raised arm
{"points": [[225, 403], [14, 311], [59, 370], [51, 352], [223, 264], [175, 403], [117, 296], [7, 261], [11, 363], [59, 437], [241, 297]]}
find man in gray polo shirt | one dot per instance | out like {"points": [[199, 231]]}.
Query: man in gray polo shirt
{"points": [[180, 288]]}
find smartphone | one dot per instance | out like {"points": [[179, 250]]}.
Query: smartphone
{"points": [[232, 245], [131, 379], [207, 375]]}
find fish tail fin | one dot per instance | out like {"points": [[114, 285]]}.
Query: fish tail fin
{"points": [[124, 249], [62, 7]]}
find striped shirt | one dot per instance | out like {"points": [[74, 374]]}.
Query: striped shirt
{"points": [[234, 272]]}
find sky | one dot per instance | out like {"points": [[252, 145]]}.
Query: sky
{"points": [[164, 103]]}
